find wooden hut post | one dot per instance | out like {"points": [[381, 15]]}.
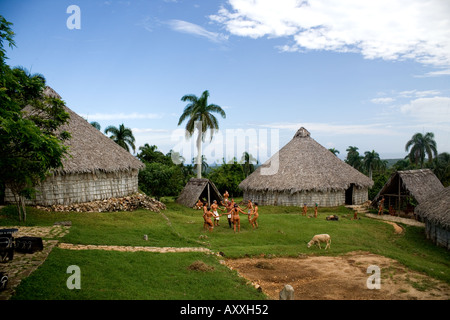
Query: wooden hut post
{"points": [[209, 197]]}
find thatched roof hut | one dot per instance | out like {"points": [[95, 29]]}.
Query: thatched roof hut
{"points": [[97, 167], [196, 189], [404, 188], [435, 212], [306, 172]]}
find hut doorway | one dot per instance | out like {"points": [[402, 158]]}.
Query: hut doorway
{"points": [[349, 195]]}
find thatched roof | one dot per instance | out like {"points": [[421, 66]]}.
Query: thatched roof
{"points": [[90, 150], [196, 189], [420, 184], [305, 165], [436, 209]]}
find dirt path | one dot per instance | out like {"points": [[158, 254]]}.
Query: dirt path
{"points": [[343, 277]]}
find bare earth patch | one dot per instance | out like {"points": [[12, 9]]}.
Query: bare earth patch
{"points": [[343, 277]]}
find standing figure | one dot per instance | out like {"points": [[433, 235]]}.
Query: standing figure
{"points": [[225, 197], [214, 208], [305, 209], [315, 211], [381, 206], [249, 211], [208, 222], [255, 215], [235, 217]]}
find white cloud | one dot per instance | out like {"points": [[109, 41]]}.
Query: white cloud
{"points": [[387, 29], [382, 100], [418, 94], [444, 72], [194, 29], [337, 129], [120, 116], [435, 109]]}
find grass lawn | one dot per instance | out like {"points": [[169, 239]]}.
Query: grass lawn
{"points": [[282, 231]]}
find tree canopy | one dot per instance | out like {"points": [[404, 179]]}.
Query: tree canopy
{"points": [[30, 144]]}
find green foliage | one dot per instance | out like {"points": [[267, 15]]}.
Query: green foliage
{"points": [[122, 136], [199, 110], [29, 143], [228, 176], [379, 180], [420, 146], [159, 179], [161, 176]]}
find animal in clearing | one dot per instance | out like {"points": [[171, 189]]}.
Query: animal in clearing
{"points": [[318, 238]]}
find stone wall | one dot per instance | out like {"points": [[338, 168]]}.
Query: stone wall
{"points": [[82, 187], [323, 199], [360, 195], [437, 234]]}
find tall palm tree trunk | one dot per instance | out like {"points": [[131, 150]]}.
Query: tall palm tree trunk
{"points": [[198, 124]]}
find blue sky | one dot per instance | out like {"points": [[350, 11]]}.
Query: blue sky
{"points": [[354, 73]]}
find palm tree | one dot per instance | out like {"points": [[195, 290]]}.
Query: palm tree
{"points": [[334, 151], [198, 110], [203, 165], [122, 136], [248, 162], [372, 161], [353, 157], [96, 125], [420, 145]]}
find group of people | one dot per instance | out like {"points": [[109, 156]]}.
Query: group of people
{"points": [[305, 210], [211, 215]]}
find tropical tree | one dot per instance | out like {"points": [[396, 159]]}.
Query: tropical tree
{"points": [[30, 143], [372, 161], [441, 168], [353, 158], [248, 163], [152, 154], [419, 146], [203, 165], [334, 151], [96, 125], [198, 111], [122, 136]]}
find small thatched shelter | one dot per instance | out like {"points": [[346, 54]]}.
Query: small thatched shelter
{"points": [[96, 169], [196, 189], [303, 171], [405, 189], [435, 212]]}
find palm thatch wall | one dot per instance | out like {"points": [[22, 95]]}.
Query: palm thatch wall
{"points": [[435, 212], [306, 172], [96, 169], [196, 189], [404, 188]]}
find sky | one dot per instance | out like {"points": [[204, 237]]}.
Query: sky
{"points": [[368, 74]]}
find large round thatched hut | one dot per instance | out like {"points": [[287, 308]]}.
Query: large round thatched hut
{"points": [[303, 171], [96, 169], [435, 212]]}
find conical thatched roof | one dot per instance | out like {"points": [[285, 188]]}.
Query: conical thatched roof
{"points": [[436, 209], [420, 184], [196, 189], [90, 150], [305, 165]]}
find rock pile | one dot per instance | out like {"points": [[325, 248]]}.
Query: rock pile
{"points": [[129, 203]]}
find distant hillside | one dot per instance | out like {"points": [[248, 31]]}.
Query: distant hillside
{"points": [[391, 162]]}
